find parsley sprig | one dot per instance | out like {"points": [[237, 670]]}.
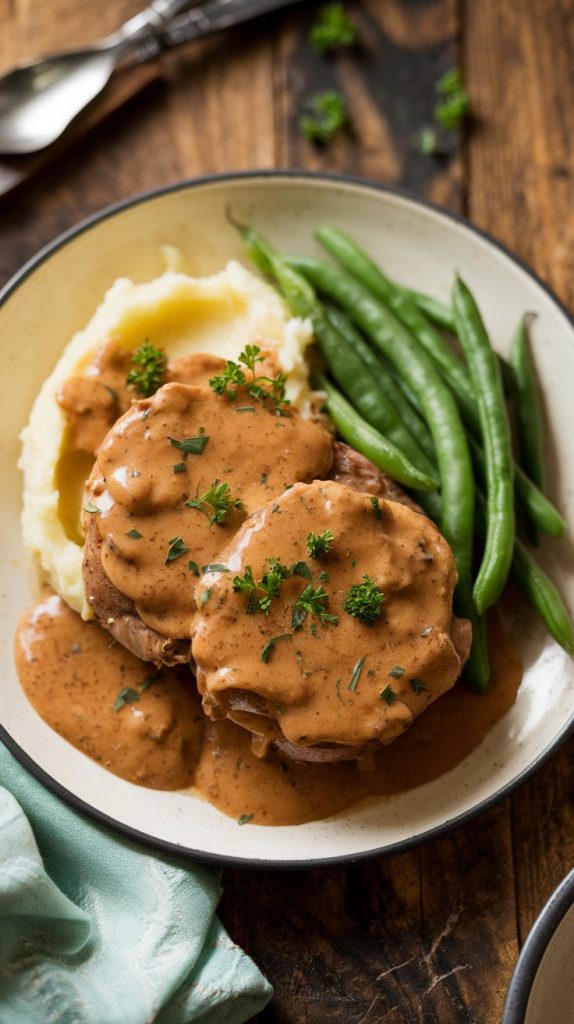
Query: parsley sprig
{"points": [[327, 116], [267, 390], [314, 600], [319, 544], [149, 369], [449, 113], [363, 600], [216, 503], [333, 29], [260, 593]]}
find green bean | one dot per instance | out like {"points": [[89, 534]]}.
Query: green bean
{"points": [[486, 379], [356, 432], [357, 263], [441, 414], [535, 503], [535, 585], [528, 406], [303, 302], [437, 312], [415, 441]]}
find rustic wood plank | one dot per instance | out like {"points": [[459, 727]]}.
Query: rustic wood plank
{"points": [[519, 69]]}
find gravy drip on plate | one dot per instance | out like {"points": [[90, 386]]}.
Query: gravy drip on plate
{"points": [[73, 675], [153, 541]]}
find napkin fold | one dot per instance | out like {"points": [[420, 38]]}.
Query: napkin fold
{"points": [[95, 929]]}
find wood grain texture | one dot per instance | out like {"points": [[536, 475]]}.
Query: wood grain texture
{"points": [[431, 935]]}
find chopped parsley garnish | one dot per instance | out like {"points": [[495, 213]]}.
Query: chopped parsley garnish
{"points": [[179, 467], [280, 709], [149, 369], [356, 674], [338, 690], [396, 672], [388, 695], [134, 534], [268, 649], [190, 445], [92, 509], [314, 600], [150, 680], [267, 390], [364, 600], [301, 569], [260, 594], [193, 567], [449, 113], [377, 508], [417, 686], [455, 105], [214, 567], [332, 30], [204, 597], [319, 544], [244, 408], [125, 696], [245, 819], [327, 116], [216, 503], [177, 548]]}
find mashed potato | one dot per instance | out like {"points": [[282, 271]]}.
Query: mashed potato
{"points": [[180, 314]]}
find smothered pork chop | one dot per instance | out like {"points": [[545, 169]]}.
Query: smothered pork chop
{"points": [[330, 626], [173, 481]]}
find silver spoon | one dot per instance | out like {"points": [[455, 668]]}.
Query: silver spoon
{"points": [[39, 100]]}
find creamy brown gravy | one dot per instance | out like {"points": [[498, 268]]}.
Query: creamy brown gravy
{"points": [[304, 692], [72, 675]]}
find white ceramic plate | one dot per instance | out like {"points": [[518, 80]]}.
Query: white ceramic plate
{"points": [[56, 294], [542, 987]]}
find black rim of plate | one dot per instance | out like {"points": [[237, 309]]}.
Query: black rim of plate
{"points": [[165, 846], [533, 951]]}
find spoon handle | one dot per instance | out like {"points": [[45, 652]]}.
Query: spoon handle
{"points": [[213, 16]]}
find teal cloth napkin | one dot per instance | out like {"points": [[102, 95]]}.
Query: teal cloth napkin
{"points": [[95, 929]]}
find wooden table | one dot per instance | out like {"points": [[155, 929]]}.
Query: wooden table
{"points": [[431, 935]]}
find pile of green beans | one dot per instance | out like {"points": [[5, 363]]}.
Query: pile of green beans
{"points": [[419, 413]]}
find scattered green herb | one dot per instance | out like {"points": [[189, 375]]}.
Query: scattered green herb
{"points": [[193, 567], [356, 674], [150, 680], [204, 597], [148, 371], [126, 696], [429, 142], [427, 630], [319, 544], [92, 509], [449, 113], [338, 690], [332, 30], [244, 408], [314, 600], [260, 594], [245, 819], [179, 467], [134, 534], [327, 116], [264, 389], [216, 503], [177, 548], [396, 672], [301, 569], [280, 709], [377, 508], [267, 650], [417, 685], [190, 445], [214, 567], [388, 695], [364, 600]]}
